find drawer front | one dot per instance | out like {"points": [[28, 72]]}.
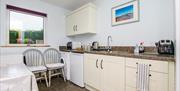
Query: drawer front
{"points": [[113, 59], [91, 56], [157, 66]]}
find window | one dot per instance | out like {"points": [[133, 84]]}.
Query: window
{"points": [[25, 26]]}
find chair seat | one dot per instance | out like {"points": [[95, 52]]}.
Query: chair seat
{"points": [[54, 66], [37, 68]]}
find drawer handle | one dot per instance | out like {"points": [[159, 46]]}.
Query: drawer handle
{"points": [[150, 65], [150, 75], [76, 28], [73, 28], [96, 63], [102, 64]]}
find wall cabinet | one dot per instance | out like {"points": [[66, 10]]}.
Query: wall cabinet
{"points": [[81, 21], [100, 72]]}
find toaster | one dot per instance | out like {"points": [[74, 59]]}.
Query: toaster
{"points": [[165, 47]]}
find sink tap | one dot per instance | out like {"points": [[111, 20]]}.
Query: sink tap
{"points": [[109, 39]]}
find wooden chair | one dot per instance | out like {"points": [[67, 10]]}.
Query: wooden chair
{"points": [[34, 60], [54, 63]]}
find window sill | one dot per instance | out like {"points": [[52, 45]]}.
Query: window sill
{"points": [[26, 46]]}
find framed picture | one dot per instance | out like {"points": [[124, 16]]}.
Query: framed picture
{"points": [[125, 13]]}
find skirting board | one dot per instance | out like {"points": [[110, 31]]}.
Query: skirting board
{"points": [[90, 88]]}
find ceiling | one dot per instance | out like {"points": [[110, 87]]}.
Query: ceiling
{"points": [[68, 4]]}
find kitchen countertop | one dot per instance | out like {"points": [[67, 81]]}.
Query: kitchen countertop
{"points": [[73, 51], [149, 56]]}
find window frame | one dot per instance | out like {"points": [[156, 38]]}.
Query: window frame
{"points": [[8, 28]]}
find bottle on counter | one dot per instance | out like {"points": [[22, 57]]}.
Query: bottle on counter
{"points": [[88, 48], [141, 47], [136, 50]]}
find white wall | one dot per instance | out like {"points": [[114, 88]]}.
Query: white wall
{"points": [[55, 29], [156, 23], [177, 45]]}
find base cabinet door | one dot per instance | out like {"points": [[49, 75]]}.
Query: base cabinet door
{"points": [[130, 89], [104, 73], [158, 82], [112, 74], [158, 79], [91, 72]]}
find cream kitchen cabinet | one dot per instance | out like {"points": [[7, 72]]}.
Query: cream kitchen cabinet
{"points": [[110, 73], [92, 70], [161, 74], [113, 73], [81, 21], [104, 73], [158, 81]]}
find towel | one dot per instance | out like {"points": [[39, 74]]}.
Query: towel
{"points": [[143, 71]]}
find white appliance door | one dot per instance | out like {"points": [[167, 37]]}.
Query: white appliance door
{"points": [[77, 69]]}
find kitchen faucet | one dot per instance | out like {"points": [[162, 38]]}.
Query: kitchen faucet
{"points": [[109, 39]]}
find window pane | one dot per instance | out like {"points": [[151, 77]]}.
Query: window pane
{"points": [[26, 29]]}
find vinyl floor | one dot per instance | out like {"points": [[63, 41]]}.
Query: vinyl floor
{"points": [[58, 84]]}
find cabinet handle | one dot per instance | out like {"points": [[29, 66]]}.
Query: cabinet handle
{"points": [[102, 64], [97, 63], [150, 75], [150, 65], [76, 27]]}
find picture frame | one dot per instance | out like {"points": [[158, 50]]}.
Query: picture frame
{"points": [[125, 13]]}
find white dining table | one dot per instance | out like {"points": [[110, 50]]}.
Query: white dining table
{"points": [[17, 78]]}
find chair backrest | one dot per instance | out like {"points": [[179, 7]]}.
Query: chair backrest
{"points": [[33, 57], [51, 55]]}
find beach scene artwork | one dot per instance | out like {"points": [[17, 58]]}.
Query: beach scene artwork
{"points": [[124, 13]]}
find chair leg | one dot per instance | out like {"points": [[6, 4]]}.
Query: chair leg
{"points": [[45, 76], [49, 78], [63, 73]]}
